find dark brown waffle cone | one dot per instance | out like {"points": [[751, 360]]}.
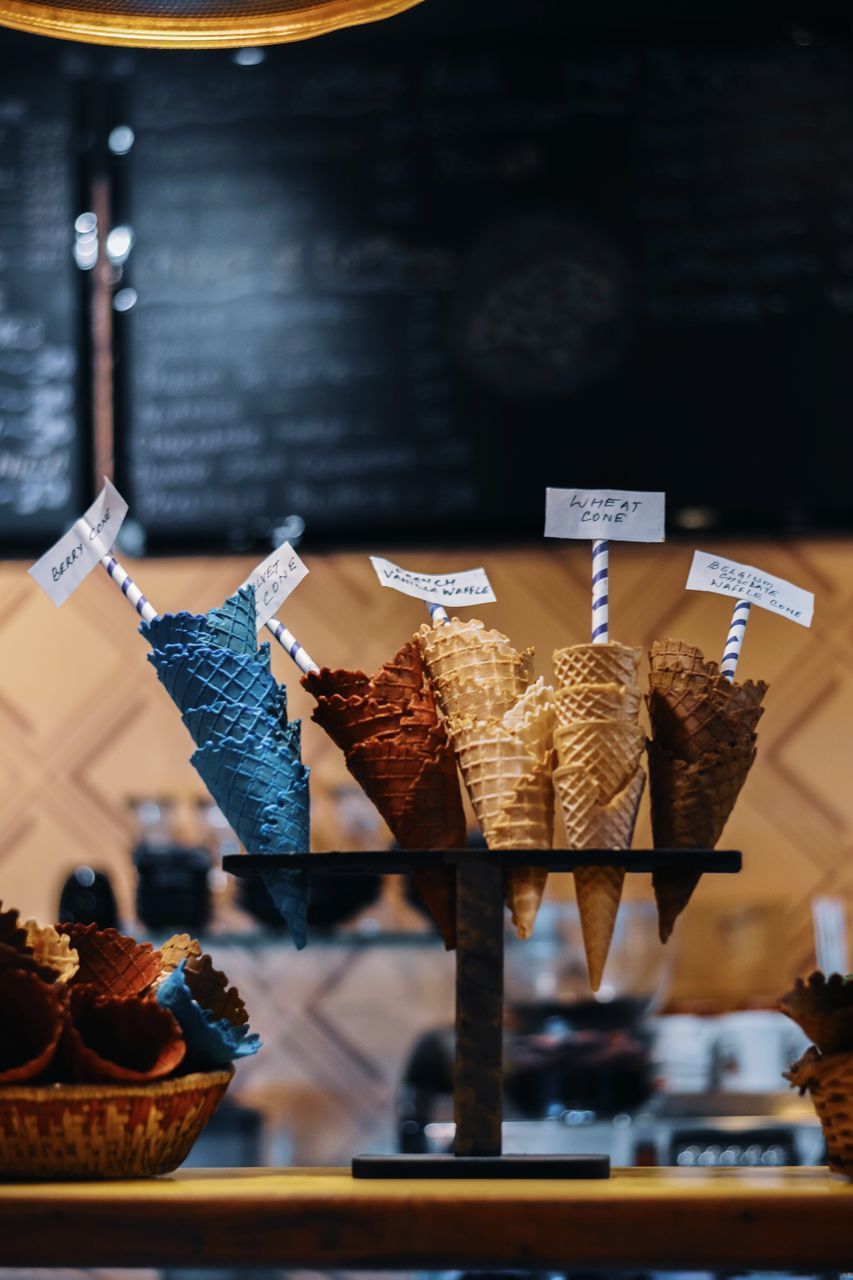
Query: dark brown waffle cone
{"points": [[12, 932], [116, 1038], [32, 1019], [211, 988], [823, 1007], [111, 962], [349, 721]]}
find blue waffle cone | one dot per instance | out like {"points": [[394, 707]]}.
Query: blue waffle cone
{"points": [[200, 676], [175, 629], [232, 625], [229, 720], [261, 789], [210, 1042]]}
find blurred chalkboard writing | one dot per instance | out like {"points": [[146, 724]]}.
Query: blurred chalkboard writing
{"points": [[398, 280], [43, 450]]}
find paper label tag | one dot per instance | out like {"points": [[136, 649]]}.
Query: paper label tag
{"points": [[617, 514], [743, 582], [274, 580], [60, 570], [470, 587]]}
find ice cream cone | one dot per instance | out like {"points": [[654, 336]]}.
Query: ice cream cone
{"points": [[596, 702], [234, 625], [117, 1038], [32, 1017], [492, 762], [474, 671], [596, 664], [111, 962], [609, 751], [55, 959]]}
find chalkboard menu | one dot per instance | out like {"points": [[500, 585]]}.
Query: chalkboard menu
{"points": [[43, 451], [396, 281]]}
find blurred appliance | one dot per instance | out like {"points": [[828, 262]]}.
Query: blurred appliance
{"points": [[87, 897], [172, 890]]}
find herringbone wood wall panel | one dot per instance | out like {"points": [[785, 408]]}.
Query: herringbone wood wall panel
{"points": [[84, 725]]}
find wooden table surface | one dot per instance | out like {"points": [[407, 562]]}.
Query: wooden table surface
{"points": [[322, 1219]]}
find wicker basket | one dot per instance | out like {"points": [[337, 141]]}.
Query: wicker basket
{"points": [[104, 1131], [829, 1082]]}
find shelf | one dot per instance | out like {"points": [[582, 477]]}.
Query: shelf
{"points": [[319, 1219], [395, 862]]}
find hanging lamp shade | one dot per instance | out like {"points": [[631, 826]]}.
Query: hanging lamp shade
{"points": [[192, 24]]}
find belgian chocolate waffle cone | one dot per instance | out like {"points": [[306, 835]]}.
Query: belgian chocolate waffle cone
{"points": [[120, 1038], [596, 664], [702, 748], [32, 1017], [212, 990], [597, 702], [111, 962], [823, 1007]]}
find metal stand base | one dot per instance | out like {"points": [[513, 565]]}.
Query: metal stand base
{"points": [[441, 1166]]}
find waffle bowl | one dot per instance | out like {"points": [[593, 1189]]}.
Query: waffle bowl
{"points": [[81, 1131]]}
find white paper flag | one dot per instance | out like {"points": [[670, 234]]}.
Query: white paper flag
{"points": [[618, 515], [470, 587], [743, 582], [274, 580], [60, 570]]}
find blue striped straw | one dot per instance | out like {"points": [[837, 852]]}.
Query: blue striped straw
{"points": [[600, 616], [291, 646], [734, 639], [438, 613], [128, 588]]}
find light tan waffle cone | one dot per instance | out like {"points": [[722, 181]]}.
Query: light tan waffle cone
{"points": [[596, 664], [474, 671], [491, 762], [608, 750], [527, 822], [599, 891], [177, 948], [52, 952], [596, 702], [524, 892], [531, 721]]}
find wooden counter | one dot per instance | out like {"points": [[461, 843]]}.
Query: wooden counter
{"points": [[321, 1218]]}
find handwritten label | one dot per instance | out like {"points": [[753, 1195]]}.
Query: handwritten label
{"points": [[470, 587], [60, 570], [616, 514], [743, 582], [274, 580]]}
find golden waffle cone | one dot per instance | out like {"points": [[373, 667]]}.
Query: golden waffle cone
{"points": [[177, 948], [599, 889], [609, 751], [828, 1080], [52, 952], [596, 702], [112, 962], [596, 664], [527, 822]]}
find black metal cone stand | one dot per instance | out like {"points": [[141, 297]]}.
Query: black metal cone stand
{"points": [[478, 1068]]}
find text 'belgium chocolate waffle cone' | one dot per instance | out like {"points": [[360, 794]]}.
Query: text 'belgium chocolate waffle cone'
{"points": [[598, 780], [702, 748], [395, 746], [502, 729]]}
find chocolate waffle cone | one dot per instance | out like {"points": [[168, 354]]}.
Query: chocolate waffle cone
{"points": [[677, 655], [609, 751], [111, 962], [32, 1017], [596, 664], [596, 702], [120, 1038], [823, 1007], [212, 990]]}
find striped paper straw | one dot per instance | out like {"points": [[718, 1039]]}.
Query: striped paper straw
{"points": [[438, 613], [600, 615], [128, 588], [291, 645], [734, 640]]}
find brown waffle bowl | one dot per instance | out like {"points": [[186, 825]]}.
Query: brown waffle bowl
{"points": [[192, 24], [67, 1131], [828, 1080]]}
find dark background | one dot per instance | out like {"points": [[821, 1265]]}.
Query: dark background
{"points": [[397, 280]]}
